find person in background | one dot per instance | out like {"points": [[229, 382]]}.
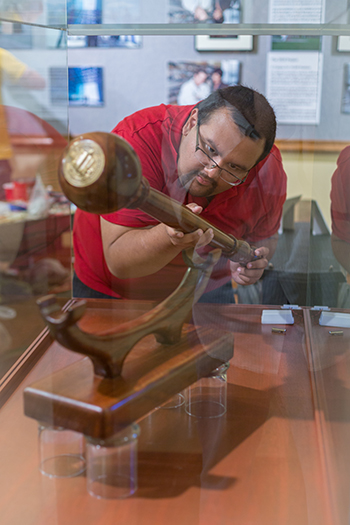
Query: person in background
{"points": [[216, 78], [15, 73], [204, 10], [340, 209]]}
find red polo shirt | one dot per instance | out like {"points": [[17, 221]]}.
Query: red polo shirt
{"points": [[340, 197], [251, 211]]}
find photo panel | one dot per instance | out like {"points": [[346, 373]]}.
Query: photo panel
{"points": [[85, 86], [205, 11], [190, 82], [84, 11]]}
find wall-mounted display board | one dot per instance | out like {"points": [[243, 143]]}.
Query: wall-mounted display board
{"points": [[297, 12], [293, 78]]}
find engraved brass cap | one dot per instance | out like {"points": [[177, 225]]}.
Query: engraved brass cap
{"points": [[83, 163]]}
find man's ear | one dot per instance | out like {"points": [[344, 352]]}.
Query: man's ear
{"points": [[191, 122]]}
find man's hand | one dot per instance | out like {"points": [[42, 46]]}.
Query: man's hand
{"points": [[195, 239], [253, 271]]}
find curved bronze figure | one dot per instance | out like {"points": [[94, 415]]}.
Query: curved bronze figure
{"points": [[101, 173], [165, 321]]}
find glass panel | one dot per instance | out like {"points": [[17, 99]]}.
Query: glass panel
{"points": [[286, 428], [311, 274], [206, 12], [35, 217], [330, 331], [305, 84]]}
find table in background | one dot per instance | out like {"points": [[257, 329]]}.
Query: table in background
{"points": [[303, 270]]}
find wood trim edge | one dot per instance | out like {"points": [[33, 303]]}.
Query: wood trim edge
{"points": [[310, 146], [23, 365], [15, 375]]}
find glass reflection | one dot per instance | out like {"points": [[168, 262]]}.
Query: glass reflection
{"points": [[34, 215], [57, 13], [297, 259], [340, 213], [237, 130]]}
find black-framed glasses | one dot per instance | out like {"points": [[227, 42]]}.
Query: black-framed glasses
{"points": [[233, 176]]}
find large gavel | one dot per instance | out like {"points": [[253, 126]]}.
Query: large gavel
{"points": [[101, 173]]}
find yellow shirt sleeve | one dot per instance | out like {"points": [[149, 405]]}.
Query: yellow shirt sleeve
{"points": [[12, 69], [5, 145], [10, 66]]}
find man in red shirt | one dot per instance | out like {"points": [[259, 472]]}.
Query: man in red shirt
{"points": [[218, 158], [340, 209]]}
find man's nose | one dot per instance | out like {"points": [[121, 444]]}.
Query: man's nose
{"points": [[213, 171]]}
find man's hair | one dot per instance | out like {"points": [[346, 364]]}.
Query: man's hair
{"points": [[200, 70], [258, 116]]}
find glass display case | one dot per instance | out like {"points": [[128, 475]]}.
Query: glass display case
{"points": [[73, 67]]}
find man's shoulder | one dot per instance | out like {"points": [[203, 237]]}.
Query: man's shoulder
{"points": [[273, 161], [341, 176], [270, 174], [146, 118], [275, 154], [344, 156]]}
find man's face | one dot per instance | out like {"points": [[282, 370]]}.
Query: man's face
{"points": [[216, 78], [226, 145], [200, 77]]}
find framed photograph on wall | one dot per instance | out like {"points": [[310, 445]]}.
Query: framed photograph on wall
{"points": [[223, 43], [190, 82], [343, 44]]}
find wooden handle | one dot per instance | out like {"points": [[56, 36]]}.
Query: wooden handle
{"points": [[101, 173]]}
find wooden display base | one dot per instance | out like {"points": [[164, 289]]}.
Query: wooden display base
{"points": [[77, 399]]}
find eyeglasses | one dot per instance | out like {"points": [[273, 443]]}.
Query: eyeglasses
{"points": [[233, 176]]}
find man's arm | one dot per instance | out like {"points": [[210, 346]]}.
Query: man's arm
{"points": [[254, 270], [341, 250], [270, 243], [133, 252]]}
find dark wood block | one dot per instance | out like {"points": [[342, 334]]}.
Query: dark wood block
{"points": [[77, 399]]}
